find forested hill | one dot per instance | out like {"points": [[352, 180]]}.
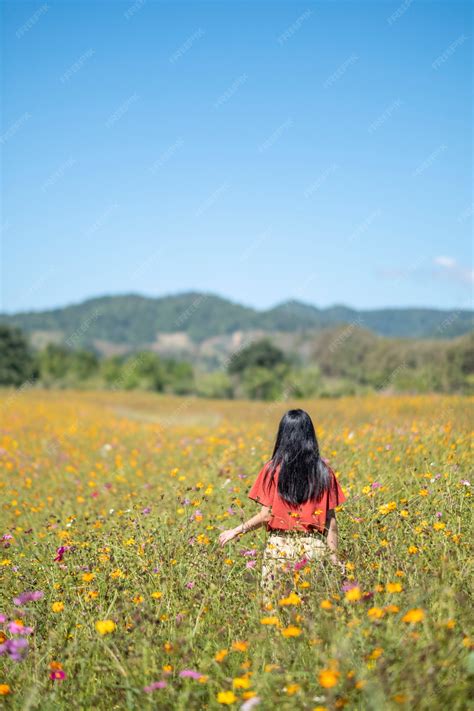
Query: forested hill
{"points": [[132, 320]]}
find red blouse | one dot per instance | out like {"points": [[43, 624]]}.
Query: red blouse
{"points": [[305, 516]]}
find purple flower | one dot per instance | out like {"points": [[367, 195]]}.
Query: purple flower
{"points": [[186, 502], [2, 619], [146, 510], [60, 553], [438, 514], [155, 685], [28, 596], [250, 703], [376, 485], [190, 585], [465, 482], [251, 564], [190, 673], [15, 628], [6, 537], [251, 551], [15, 648]]}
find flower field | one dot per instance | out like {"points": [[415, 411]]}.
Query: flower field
{"points": [[115, 594]]}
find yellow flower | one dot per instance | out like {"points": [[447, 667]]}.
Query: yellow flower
{"points": [[156, 595], [414, 615], [423, 492], [240, 646], [292, 599], [105, 626], [375, 613], [4, 690], [291, 631], [325, 604], [353, 594], [412, 549], [226, 697], [292, 689], [221, 654], [328, 678], [376, 653], [57, 606], [394, 587], [439, 525], [270, 621], [241, 682]]}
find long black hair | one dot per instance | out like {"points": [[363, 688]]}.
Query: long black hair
{"points": [[303, 474]]}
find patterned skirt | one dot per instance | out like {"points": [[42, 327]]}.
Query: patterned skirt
{"points": [[279, 557]]}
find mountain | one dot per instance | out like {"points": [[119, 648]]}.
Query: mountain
{"points": [[130, 321]]}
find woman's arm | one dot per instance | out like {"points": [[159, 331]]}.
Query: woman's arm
{"points": [[264, 515], [332, 537]]}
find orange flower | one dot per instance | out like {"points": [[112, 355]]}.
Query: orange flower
{"points": [[413, 616], [328, 678]]}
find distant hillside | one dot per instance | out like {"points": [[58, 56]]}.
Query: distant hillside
{"points": [[127, 322]]}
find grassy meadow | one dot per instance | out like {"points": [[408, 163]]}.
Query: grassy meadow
{"points": [[114, 592]]}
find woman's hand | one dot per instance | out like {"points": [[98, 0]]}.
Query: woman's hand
{"points": [[228, 535]]}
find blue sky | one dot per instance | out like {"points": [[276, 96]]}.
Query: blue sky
{"points": [[260, 150]]}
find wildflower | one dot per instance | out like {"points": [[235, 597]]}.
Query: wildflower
{"points": [[155, 685], [25, 597], [57, 675], [394, 587], [105, 626], [241, 682], [328, 678], [353, 594], [87, 577], [226, 697], [375, 613], [221, 655], [190, 673], [413, 616], [5, 690], [57, 606], [270, 621], [292, 689], [326, 604], [156, 595], [291, 631], [292, 599], [250, 703], [240, 646]]}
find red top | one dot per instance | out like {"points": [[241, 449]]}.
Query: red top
{"points": [[305, 516]]}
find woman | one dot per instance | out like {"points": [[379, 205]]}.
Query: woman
{"points": [[298, 492]]}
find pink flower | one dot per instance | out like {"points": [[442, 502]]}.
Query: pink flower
{"points": [[57, 675], [28, 596], [300, 564], [251, 552], [190, 585], [376, 485], [251, 564], [60, 553], [155, 685], [190, 673]]}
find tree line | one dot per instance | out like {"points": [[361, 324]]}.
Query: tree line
{"points": [[342, 361]]}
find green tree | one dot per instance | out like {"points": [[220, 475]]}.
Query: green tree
{"points": [[261, 354], [54, 363], [16, 359]]}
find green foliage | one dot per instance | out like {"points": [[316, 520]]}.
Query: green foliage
{"points": [[215, 385], [264, 384], [16, 360], [261, 354]]}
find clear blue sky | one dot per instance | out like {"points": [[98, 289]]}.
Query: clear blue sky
{"points": [[260, 150]]}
